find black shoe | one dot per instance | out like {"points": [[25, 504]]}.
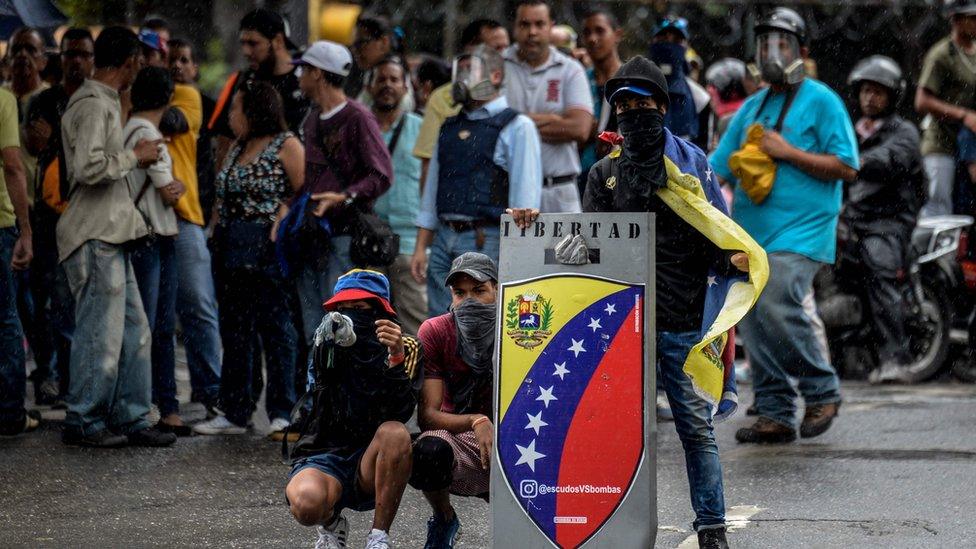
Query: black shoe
{"points": [[46, 393], [101, 439], [752, 410], [712, 538], [32, 420], [178, 430], [151, 436]]}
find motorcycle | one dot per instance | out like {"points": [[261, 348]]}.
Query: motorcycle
{"points": [[933, 276]]}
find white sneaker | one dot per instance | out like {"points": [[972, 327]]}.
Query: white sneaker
{"points": [[333, 536], [378, 539], [278, 426], [219, 425]]}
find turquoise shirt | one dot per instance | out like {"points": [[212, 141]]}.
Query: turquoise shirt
{"points": [[398, 206], [800, 213]]}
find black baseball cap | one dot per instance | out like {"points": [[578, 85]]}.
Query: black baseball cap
{"points": [[269, 23], [478, 266]]}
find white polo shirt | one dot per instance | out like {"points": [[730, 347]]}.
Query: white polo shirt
{"points": [[556, 86]]}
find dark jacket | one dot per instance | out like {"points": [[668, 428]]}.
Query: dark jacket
{"points": [[349, 403], [684, 256], [890, 186]]}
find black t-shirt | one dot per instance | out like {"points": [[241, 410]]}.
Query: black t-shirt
{"points": [[295, 104], [206, 170]]}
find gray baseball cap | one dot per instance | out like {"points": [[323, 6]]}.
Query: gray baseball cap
{"points": [[478, 266]]}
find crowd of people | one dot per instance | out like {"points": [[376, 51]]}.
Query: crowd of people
{"points": [[326, 230]]}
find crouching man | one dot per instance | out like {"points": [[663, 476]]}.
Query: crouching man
{"points": [[453, 454], [354, 451]]}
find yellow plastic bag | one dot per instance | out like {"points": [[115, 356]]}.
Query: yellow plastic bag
{"points": [[754, 169]]}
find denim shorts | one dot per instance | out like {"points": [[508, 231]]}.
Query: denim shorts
{"points": [[346, 471]]}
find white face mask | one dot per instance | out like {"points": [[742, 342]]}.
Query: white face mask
{"points": [[779, 59]]}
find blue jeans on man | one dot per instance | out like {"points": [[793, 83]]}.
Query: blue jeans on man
{"points": [[196, 305], [13, 375], [693, 422], [785, 339], [154, 263], [110, 355], [449, 244]]}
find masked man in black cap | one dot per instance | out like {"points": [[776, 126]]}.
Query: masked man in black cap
{"points": [[452, 456], [654, 171]]}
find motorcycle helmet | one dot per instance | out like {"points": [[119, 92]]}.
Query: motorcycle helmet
{"points": [[958, 7], [780, 35], [880, 70], [726, 75]]}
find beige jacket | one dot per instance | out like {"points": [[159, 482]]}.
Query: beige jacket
{"points": [[99, 205]]}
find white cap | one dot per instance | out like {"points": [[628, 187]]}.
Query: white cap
{"points": [[328, 56]]}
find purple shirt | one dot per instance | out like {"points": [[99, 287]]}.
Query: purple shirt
{"points": [[346, 153]]}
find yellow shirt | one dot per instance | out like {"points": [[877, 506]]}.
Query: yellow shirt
{"points": [[29, 162], [440, 107], [9, 137], [183, 150]]}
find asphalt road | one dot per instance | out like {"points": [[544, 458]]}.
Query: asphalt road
{"points": [[898, 469]]}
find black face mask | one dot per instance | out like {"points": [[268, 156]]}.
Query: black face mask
{"points": [[367, 351], [642, 161]]}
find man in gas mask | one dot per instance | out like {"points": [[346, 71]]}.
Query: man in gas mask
{"points": [[883, 205], [354, 450], [487, 158], [801, 146], [453, 454]]}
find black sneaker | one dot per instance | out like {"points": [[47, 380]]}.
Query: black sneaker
{"points": [[101, 439], [712, 538], [151, 436]]}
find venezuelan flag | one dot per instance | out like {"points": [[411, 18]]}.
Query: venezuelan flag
{"points": [[570, 400]]}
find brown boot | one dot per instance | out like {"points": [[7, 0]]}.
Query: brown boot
{"points": [[765, 430], [818, 418]]}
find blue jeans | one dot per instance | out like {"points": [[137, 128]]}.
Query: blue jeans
{"points": [[53, 317], [155, 266], [196, 304], [448, 245], [255, 305], [315, 287], [784, 337], [13, 375], [110, 354], [693, 421]]}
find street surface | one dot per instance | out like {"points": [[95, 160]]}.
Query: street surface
{"points": [[898, 469]]}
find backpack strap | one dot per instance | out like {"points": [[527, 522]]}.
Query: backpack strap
{"points": [[225, 96]]}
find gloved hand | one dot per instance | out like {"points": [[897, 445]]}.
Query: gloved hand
{"points": [[335, 327], [572, 250]]}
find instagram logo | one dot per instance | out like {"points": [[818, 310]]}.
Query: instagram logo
{"points": [[529, 488]]}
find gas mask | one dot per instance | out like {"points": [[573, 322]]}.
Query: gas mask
{"points": [[471, 80], [779, 59]]}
